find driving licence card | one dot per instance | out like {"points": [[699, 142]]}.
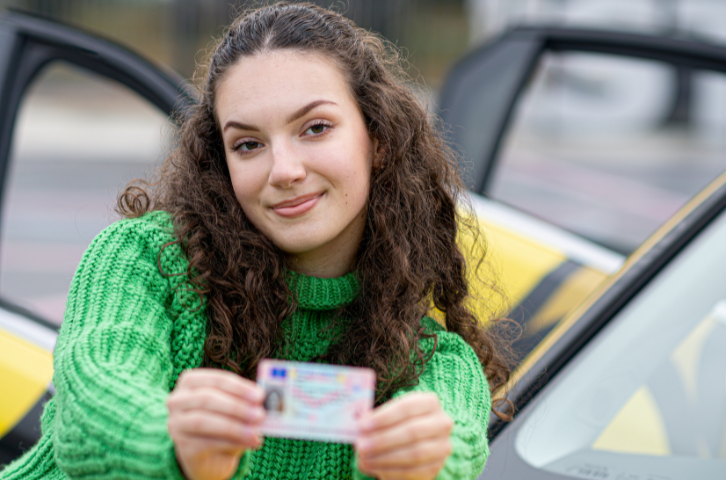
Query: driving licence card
{"points": [[314, 401]]}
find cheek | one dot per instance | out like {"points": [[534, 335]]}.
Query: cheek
{"points": [[353, 167], [361, 179], [248, 179], [359, 189], [350, 174]]}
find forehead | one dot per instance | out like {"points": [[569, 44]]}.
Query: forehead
{"points": [[281, 80]]}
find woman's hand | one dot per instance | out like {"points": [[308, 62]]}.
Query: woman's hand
{"points": [[407, 438], [214, 417]]}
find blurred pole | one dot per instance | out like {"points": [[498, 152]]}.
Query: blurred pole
{"points": [[386, 17], [668, 10], [185, 28], [679, 112]]}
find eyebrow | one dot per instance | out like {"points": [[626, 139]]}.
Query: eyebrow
{"points": [[299, 113], [307, 108], [240, 126]]}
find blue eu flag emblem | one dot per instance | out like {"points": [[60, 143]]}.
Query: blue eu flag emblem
{"points": [[278, 372]]}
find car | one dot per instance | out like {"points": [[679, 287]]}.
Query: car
{"points": [[545, 270], [632, 385]]}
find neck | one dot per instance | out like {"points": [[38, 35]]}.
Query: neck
{"points": [[330, 264]]}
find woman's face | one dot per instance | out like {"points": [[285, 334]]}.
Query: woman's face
{"points": [[299, 155]]}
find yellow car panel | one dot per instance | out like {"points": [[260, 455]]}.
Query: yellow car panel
{"points": [[25, 371], [520, 263], [515, 265]]}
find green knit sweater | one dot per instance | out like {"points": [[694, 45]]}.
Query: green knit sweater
{"points": [[129, 331]]}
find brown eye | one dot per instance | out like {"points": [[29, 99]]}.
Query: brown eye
{"points": [[317, 129], [247, 146]]}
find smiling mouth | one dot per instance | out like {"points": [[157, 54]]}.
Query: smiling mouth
{"points": [[297, 206]]}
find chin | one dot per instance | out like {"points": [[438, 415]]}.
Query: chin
{"points": [[299, 247]]}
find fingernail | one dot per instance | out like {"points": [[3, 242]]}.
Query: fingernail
{"points": [[362, 444]]}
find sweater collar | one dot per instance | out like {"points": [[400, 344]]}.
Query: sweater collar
{"points": [[315, 293]]}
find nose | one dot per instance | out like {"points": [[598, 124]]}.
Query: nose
{"points": [[287, 166]]}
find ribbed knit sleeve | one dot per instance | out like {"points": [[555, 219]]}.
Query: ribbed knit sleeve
{"points": [[37, 463], [113, 360], [456, 376]]}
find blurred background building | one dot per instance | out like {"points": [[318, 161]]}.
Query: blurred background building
{"points": [[434, 32], [696, 18], [174, 32]]}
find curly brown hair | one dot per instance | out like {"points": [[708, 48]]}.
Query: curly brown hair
{"points": [[408, 261]]}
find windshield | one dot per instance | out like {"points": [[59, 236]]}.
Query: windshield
{"points": [[647, 398]]}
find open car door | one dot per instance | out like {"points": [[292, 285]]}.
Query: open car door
{"points": [[77, 117], [603, 133]]}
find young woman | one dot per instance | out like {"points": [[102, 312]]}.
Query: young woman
{"points": [[309, 213]]}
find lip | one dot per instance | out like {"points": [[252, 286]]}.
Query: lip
{"points": [[296, 206]]}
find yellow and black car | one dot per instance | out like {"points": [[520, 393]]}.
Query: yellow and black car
{"points": [[632, 384], [628, 129]]}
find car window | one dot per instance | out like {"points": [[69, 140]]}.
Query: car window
{"points": [[647, 398], [610, 147], [78, 139]]}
